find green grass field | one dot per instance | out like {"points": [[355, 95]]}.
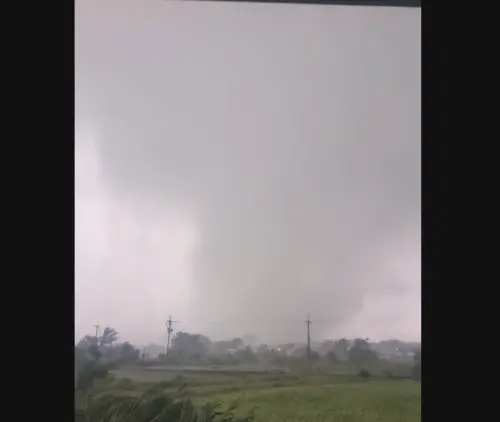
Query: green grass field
{"points": [[280, 398], [363, 401]]}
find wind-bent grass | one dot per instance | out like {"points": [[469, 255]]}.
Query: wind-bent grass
{"points": [[153, 406], [274, 398]]}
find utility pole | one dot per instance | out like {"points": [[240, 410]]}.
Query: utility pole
{"points": [[169, 331], [97, 331], [308, 322]]}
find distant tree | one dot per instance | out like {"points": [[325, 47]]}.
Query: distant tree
{"points": [[90, 344], [246, 355], [95, 352], [331, 357], [248, 339], [341, 348], [94, 345], [221, 347], [237, 343], [128, 353], [190, 346], [301, 353], [111, 354], [88, 341], [361, 343], [361, 352], [276, 358], [326, 347], [264, 354], [108, 337]]}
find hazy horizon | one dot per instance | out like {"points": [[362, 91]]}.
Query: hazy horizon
{"points": [[240, 166]]}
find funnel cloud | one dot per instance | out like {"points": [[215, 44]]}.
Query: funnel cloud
{"points": [[240, 166]]}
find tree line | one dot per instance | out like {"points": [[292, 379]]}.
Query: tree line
{"points": [[197, 349]]}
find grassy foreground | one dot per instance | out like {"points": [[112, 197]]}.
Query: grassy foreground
{"points": [[276, 398], [366, 401]]}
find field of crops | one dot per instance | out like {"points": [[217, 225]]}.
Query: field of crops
{"points": [[282, 397]]}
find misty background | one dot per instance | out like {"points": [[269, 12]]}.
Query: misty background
{"points": [[240, 166]]}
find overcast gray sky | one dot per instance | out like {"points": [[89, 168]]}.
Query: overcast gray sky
{"points": [[242, 165]]}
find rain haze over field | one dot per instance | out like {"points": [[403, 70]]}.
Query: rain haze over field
{"points": [[240, 166]]}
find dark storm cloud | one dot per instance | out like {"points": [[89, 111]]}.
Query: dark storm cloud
{"points": [[292, 135]]}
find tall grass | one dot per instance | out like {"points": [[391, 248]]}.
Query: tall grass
{"points": [[152, 406]]}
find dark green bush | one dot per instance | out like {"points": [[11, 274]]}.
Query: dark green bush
{"points": [[364, 374], [89, 372]]}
